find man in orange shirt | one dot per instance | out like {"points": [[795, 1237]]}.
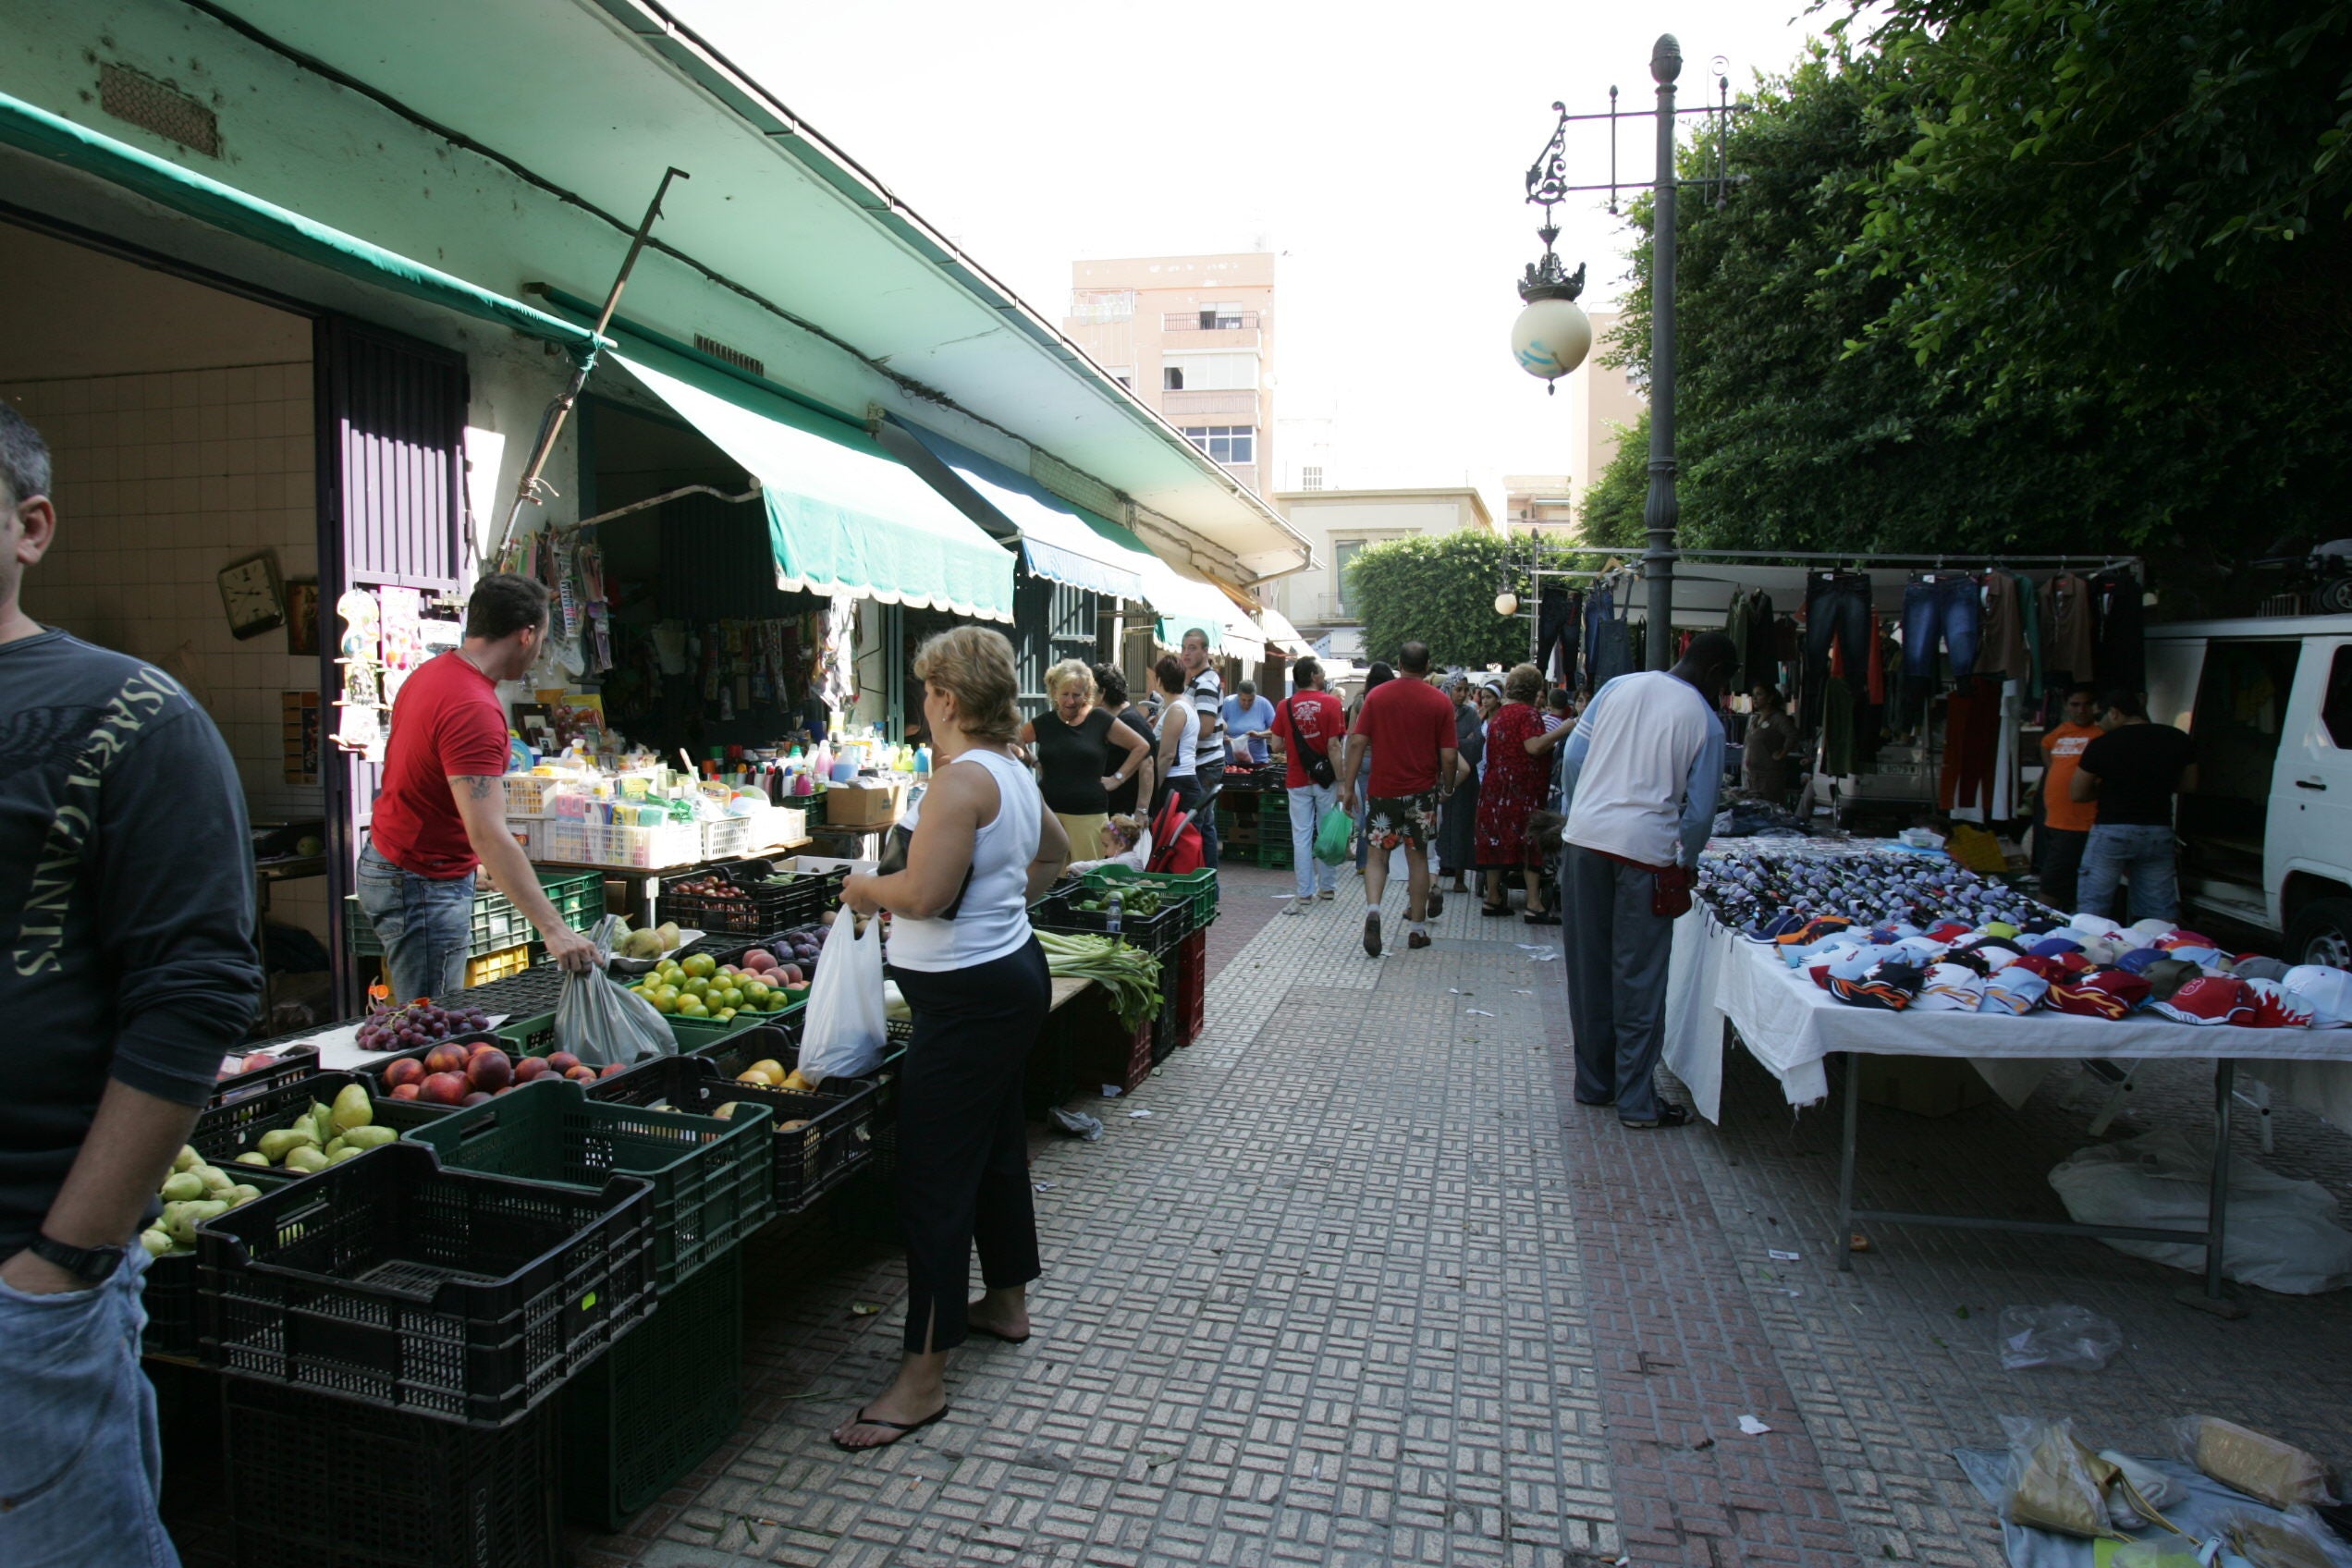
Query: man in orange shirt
{"points": [[2065, 822]]}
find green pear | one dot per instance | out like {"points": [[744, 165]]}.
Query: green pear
{"points": [[215, 1180], [241, 1194], [186, 1158], [341, 1154], [278, 1144], [305, 1157], [370, 1137], [353, 1109], [254, 1157], [157, 1242], [185, 1187]]}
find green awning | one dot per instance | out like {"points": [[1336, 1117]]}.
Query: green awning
{"points": [[844, 515], [38, 131]]}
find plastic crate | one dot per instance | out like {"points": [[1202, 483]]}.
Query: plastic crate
{"points": [[496, 924], [748, 834], [694, 1033], [710, 1177], [836, 1140], [520, 995], [1155, 934], [530, 794], [656, 1405], [1117, 1058], [1185, 978], [295, 1062], [390, 1281], [227, 1131], [752, 908], [567, 843], [1199, 888], [168, 1292], [323, 1482]]}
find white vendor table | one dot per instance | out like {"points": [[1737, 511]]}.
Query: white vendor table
{"points": [[1720, 980]]}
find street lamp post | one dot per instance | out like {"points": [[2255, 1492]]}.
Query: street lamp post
{"points": [[1547, 287]]}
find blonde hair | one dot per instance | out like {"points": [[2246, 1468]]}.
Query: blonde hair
{"points": [[1131, 832], [1067, 671], [973, 665], [1524, 684]]}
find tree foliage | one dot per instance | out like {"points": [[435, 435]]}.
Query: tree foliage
{"points": [[1439, 588], [2029, 275]]}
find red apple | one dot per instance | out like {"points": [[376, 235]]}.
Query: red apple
{"points": [[476, 1098], [446, 1058], [405, 1069], [490, 1070], [443, 1088], [581, 1074], [530, 1067], [613, 1067], [405, 1091], [258, 1061], [563, 1061]]}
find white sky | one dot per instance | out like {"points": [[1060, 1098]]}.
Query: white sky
{"points": [[1381, 154]]}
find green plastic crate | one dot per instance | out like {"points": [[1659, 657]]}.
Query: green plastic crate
{"points": [[694, 1033], [1199, 886], [713, 1181], [498, 925], [654, 1407], [532, 1036]]}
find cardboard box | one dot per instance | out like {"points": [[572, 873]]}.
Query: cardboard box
{"points": [[1924, 1086], [867, 802]]}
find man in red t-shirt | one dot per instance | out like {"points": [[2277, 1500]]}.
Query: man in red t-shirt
{"points": [[441, 810], [1309, 725], [1409, 725]]}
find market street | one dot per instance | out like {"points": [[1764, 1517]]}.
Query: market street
{"points": [[1353, 1292]]}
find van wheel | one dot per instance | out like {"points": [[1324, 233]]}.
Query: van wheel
{"points": [[2322, 932]]}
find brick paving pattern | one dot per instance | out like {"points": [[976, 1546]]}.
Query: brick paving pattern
{"points": [[1368, 1288]]}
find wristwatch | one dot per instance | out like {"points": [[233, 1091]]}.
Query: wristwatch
{"points": [[97, 1265]]}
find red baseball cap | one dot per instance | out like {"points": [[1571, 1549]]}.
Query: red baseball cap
{"points": [[2209, 998]]}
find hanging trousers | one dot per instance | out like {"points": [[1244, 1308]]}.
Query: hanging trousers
{"points": [[963, 1142], [2120, 656], [1557, 614], [1837, 609]]}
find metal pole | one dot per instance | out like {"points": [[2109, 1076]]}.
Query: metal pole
{"points": [[1660, 512], [1843, 1247]]}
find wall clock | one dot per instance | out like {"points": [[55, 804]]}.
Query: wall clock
{"points": [[252, 596]]}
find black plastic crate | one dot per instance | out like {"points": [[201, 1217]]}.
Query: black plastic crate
{"points": [[168, 1292], [1152, 934], [294, 1062], [393, 1282], [654, 1406], [834, 1138], [321, 1481], [225, 1132], [535, 990], [710, 1177], [748, 907]]}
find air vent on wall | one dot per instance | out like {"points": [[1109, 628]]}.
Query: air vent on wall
{"points": [[735, 357], [166, 111]]}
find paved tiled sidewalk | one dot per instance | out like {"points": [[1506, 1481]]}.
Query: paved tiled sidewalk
{"points": [[1322, 1305]]}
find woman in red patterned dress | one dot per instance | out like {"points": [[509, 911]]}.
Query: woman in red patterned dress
{"points": [[1517, 780]]}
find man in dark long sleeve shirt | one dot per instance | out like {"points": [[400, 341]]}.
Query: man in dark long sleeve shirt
{"points": [[127, 971]]}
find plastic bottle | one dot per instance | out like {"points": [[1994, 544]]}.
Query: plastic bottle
{"points": [[923, 761]]}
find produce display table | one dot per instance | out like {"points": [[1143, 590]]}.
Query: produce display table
{"points": [[1719, 981]]}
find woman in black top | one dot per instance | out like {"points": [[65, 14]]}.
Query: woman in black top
{"points": [[1110, 696], [1072, 744]]}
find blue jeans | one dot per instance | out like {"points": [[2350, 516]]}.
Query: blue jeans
{"points": [[1308, 802], [2141, 856], [1948, 608], [80, 1462], [425, 925]]}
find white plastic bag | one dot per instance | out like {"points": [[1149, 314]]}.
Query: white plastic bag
{"points": [[2283, 1234], [844, 1032], [2073, 1337], [601, 1022]]}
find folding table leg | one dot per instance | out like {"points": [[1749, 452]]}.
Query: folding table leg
{"points": [[1842, 1247], [2213, 1298]]}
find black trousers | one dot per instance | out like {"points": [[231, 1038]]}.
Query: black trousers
{"points": [[2061, 858], [963, 1149], [1558, 618], [1837, 608]]}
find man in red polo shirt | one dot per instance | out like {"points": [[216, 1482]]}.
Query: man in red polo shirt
{"points": [[442, 809], [1408, 725]]}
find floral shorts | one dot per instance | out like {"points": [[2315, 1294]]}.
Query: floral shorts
{"points": [[1411, 821]]}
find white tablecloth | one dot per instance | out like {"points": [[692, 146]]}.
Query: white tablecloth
{"points": [[1791, 1025]]}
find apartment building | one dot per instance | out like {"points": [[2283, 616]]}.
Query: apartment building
{"points": [[1193, 338], [1540, 503]]}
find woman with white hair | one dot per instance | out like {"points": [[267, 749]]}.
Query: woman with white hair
{"points": [[1070, 744]]}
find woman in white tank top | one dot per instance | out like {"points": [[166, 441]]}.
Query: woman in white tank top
{"points": [[981, 847]]}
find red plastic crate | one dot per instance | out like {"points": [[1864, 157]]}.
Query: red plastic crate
{"points": [[1110, 1059], [1187, 973]]}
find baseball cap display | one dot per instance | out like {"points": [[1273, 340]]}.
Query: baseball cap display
{"points": [[2326, 990], [2254, 966], [2015, 989], [1890, 986], [2096, 924], [2110, 994], [2139, 958], [2275, 1007], [2169, 975], [1950, 987], [2208, 999]]}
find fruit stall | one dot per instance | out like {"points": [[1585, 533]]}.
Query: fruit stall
{"points": [[429, 1286]]}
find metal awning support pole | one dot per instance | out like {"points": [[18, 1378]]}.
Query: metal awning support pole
{"points": [[1661, 512], [551, 424]]}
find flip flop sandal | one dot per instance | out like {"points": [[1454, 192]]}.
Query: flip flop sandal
{"points": [[1545, 919], [1668, 1115], [983, 1328], [900, 1428], [1493, 911]]}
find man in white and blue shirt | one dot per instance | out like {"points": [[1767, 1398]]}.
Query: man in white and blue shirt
{"points": [[1644, 771], [1249, 720], [1207, 689]]}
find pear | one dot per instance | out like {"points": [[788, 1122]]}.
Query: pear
{"points": [[157, 1242], [305, 1157], [254, 1157], [242, 1193], [353, 1109], [185, 1187], [278, 1144], [339, 1155], [186, 1158], [215, 1180], [668, 934], [369, 1137]]}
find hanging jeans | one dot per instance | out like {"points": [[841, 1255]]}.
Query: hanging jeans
{"points": [[1556, 613], [1837, 609], [1946, 609], [1607, 642]]}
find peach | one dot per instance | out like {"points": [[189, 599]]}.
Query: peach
{"points": [[405, 1091], [530, 1067], [443, 1088], [406, 1069], [446, 1058], [490, 1070], [563, 1061]]}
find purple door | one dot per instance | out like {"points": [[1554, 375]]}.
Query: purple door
{"points": [[391, 431]]}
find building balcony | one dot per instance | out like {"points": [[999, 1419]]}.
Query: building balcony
{"points": [[1210, 321], [1209, 408]]}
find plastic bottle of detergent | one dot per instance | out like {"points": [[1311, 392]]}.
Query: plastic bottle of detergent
{"points": [[923, 761]]}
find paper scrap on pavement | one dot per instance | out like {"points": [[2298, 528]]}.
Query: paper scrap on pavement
{"points": [[1137, 1115], [1522, 991], [1045, 1186], [1777, 1256], [1752, 1427], [1478, 1012], [862, 1309]]}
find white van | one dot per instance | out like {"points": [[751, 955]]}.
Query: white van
{"points": [[2266, 837]]}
